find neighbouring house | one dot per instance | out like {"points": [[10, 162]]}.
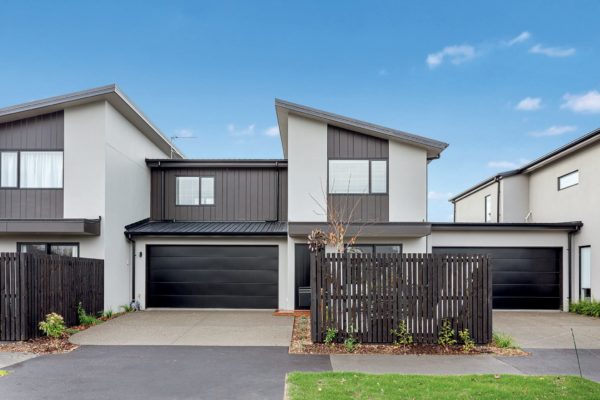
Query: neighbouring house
{"points": [[562, 185], [73, 173], [216, 233]]}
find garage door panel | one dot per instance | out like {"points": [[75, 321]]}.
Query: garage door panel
{"points": [[201, 301], [543, 278], [214, 263], [213, 289], [522, 278], [212, 276], [216, 276]]}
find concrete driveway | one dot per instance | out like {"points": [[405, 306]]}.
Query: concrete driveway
{"points": [[548, 330], [191, 328]]}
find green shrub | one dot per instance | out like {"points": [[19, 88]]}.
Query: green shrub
{"points": [[107, 314], [403, 336], [350, 344], [84, 318], [586, 307], [503, 341], [127, 308], [330, 336], [53, 326], [446, 335], [467, 340]]}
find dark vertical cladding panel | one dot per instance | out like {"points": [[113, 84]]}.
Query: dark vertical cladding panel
{"points": [[241, 194], [345, 144], [44, 132]]}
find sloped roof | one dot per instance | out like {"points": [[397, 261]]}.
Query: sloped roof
{"points": [[191, 228], [283, 108], [110, 93]]}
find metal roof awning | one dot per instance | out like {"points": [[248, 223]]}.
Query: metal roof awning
{"points": [[190, 228], [64, 226]]}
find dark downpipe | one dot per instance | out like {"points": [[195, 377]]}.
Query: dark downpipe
{"points": [[134, 302]]}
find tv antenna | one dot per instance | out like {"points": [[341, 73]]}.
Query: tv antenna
{"points": [[175, 137]]}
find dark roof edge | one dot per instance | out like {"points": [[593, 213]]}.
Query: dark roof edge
{"points": [[484, 183], [508, 226], [210, 234], [409, 137], [216, 163], [530, 165]]}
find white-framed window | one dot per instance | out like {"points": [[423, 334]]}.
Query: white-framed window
{"points": [[378, 176], [357, 176], [41, 169], [585, 271], [488, 208], [207, 190], [8, 169], [187, 190], [568, 180]]}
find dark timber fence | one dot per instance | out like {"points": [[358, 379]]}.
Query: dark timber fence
{"points": [[368, 295], [32, 286]]}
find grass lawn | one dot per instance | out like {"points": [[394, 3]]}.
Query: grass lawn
{"points": [[349, 385]]}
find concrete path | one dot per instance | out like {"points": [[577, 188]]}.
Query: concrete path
{"points": [[191, 328], [548, 330], [157, 372], [7, 359]]}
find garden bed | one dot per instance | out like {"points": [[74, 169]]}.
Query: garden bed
{"points": [[302, 344], [50, 345]]}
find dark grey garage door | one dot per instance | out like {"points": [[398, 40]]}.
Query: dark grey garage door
{"points": [[212, 276], [522, 278]]}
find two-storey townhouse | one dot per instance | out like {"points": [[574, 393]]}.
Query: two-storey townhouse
{"points": [[560, 186], [73, 173]]}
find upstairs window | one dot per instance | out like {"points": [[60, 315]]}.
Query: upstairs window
{"points": [[8, 169], [207, 191], [187, 190], [41, 169], [568, 180], [357, 176]]}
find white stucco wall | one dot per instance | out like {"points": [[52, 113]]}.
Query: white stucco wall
{"points": [[515, 238], [577, 203], [307, 169], [407, 183], [286, 275], [127, 199], [514, 198], [472, 207]]}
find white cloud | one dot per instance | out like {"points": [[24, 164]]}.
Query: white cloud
{"points": [[382, 72], [522, 37], [582, 103], [272, 131], [183, 133], [247, 131], [504, 164], [554, 130], [552, 51], [529, 104], [433, 195], [455, 54]]}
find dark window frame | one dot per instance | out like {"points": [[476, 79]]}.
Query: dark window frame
{"points": [[565, 175], [213, 176], [18, 169], [375, 245], [19, 151], [370, 160], [49, 245]]}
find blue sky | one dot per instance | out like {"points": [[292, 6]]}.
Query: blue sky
{"points": [[502, 82]]}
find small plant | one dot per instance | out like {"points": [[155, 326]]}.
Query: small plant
{"points": [[403, 337], [586, 307], [503, 341], [53, 325], [127, 308], [330, 336], [351, 341], [467, 340], [84, 318], [446, 335], [108, 314]]}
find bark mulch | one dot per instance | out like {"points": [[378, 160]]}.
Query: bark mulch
{"points": [[302, 344], [49, 345]]}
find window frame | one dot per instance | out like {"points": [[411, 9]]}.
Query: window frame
{"points": [[581, 288], [214, 190], [18, 171], [49, 245], [199, 177], [375, 245], [564, 176], [485, 209], [62, 178], [369, 175]]}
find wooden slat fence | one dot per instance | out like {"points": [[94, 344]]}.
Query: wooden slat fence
{"points": [[369, 295], [33, 285]]}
